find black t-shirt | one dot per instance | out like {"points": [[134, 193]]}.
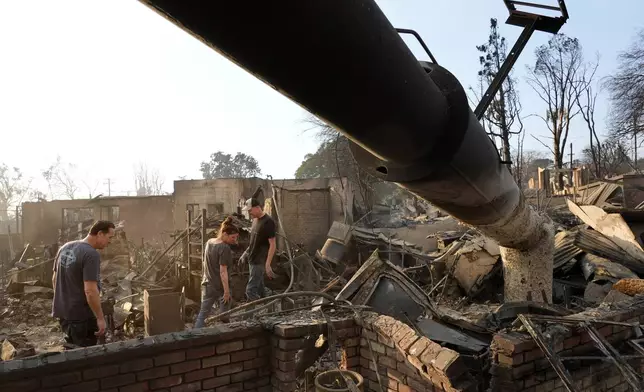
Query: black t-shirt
{"points": [[216, 254], [262, 230]]}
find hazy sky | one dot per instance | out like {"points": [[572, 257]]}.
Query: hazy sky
{"points": [[109, 84]]}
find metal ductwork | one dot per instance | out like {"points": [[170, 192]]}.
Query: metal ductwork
{"points": [[343, 61]]}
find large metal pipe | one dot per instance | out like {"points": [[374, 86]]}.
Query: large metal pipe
{"points": [[343, 61]]}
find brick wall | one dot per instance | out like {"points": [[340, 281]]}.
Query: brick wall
{"points": [[294, 349], [222, 359], [408, 362], [519, 365]]}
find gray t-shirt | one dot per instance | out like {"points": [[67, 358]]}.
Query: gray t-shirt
{"points": [[216, 254], [75, 263]]}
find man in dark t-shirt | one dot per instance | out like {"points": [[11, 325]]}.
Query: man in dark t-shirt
{"points": [[261, 249], [77, 283]]}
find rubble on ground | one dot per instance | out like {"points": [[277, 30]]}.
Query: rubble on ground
{"points": [[440, 277]]}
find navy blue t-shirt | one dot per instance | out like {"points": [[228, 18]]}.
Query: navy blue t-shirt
{"points": [[75, 263]]}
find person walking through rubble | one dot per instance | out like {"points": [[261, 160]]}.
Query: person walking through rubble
{"points": [[215, 283], [260, 251], [77, 285]]}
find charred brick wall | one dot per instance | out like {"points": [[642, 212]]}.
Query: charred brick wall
{"points": [[295, 348], [222, 359], [404, 361], [519, 365]]}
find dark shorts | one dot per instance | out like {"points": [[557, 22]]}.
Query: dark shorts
{"points": [[80, 333]]}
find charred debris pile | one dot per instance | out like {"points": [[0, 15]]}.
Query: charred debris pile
{"points": [[425, 269]]}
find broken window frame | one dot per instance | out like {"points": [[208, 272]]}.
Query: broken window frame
{"points": [[111, 213], [193, 211], [214, 209], [74, 216]]}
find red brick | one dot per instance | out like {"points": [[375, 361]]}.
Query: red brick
{"points": [[254, 343], [291, 344], [385, 340], [388, 362], [284, 355], [418, 386], [59, 380], [22, 386], [215, 382], [101, 372], [153, 373], [200, 352], [136, 365], [229, 369], [511, 344], [285, 376], [229, 347], [215, 361], [190, 387], [117, 381], [510, 361], [243, 355], [139, 387], [170, 358], [531, 355], [166, 382], [408, 341], [255, 363], [404, 388], [199, 374], [231, 388], [88, 386], [287, 366], [243, 376], [185, 367]]}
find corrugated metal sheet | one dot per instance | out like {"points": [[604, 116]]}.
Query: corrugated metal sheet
{"points": [[565, 251], [595, 243]]}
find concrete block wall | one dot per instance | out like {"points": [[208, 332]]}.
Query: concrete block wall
{"points": [[220, 359], [519, 365], [305, 216], [408, 362]]}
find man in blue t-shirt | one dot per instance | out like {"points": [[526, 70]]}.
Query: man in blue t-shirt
{"points": [[77, 284]]}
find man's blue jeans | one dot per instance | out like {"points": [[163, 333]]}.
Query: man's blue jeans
{"points": [[210, 295], [255, 287]]}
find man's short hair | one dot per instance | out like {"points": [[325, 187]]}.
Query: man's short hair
{"points": [[101, 226]]}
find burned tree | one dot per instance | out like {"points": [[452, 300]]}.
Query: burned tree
{"points": [[614, 153], [554, 77], [626, 88], [333, 158], [505, 107], [60, 179], [11, 189], [147, 181], [586, 99]]}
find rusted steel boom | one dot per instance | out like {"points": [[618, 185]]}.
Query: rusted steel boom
{"points": [[343, 61]]}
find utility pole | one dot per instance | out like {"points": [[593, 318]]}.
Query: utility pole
{"points": [[570, 182], [109, 186]]}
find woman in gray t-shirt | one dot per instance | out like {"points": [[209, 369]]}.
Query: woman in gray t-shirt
{"points": [[214, 283]]}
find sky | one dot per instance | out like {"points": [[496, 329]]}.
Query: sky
{"points": [[109, 85]]}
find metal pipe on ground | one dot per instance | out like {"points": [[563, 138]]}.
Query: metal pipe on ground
{"points": [[411, 123]]}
